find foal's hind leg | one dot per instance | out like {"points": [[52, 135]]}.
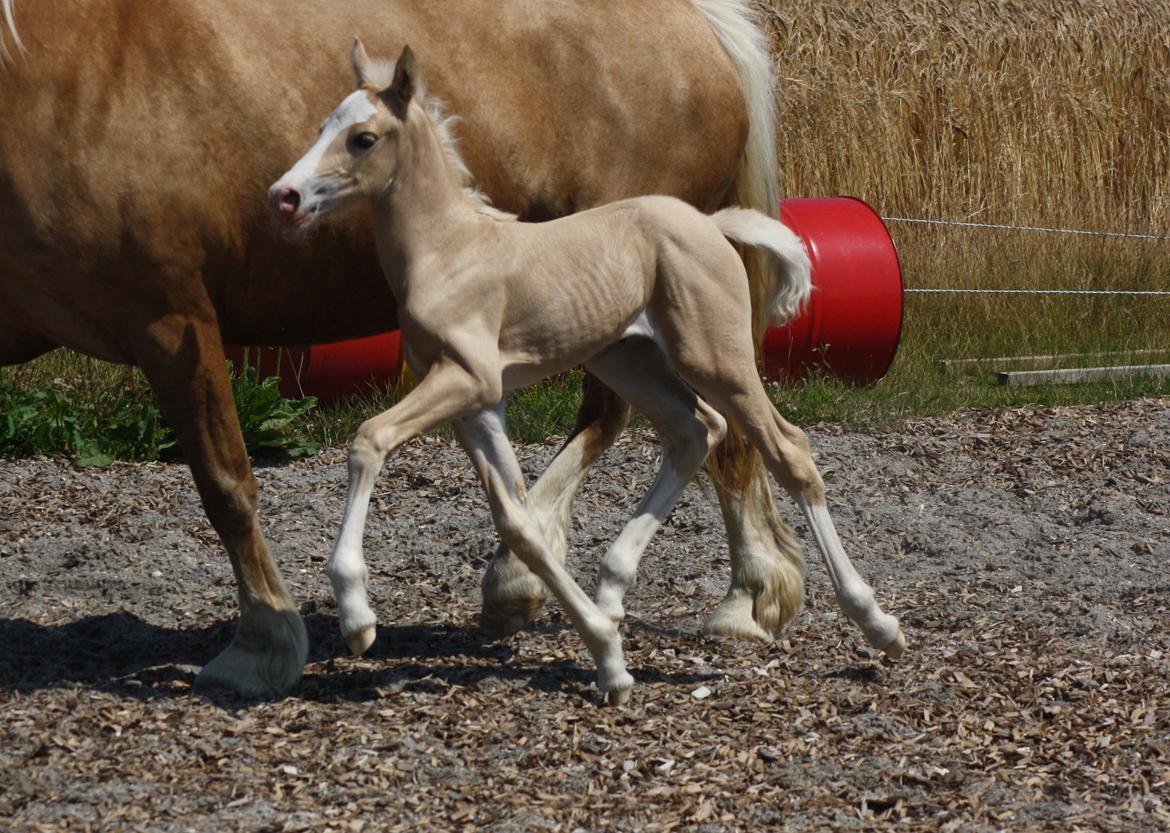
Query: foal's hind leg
{"points": [[638, 370], [512, 594], [786, 453], [486, 442]]}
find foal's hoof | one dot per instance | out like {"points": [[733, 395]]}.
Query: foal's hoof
{"points": [[620, 697], [897, 646], [503, 620], [615, 688], [360, 641]]}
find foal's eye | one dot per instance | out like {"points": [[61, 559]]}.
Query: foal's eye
{"points": [[364, 141]]}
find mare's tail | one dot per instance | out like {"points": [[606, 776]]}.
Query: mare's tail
{"points": [[791, 278], [757, 182], [9, 22]]}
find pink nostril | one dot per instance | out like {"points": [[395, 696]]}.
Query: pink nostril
{"points": [[288, 201]]}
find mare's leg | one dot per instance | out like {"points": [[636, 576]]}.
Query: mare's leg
{"points": [[446, 392], [767, 566], [182, 356], [484, 438], [512, 594], [690, 429]]}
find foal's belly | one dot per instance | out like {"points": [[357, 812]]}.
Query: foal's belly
{"points": [[520, 370]]}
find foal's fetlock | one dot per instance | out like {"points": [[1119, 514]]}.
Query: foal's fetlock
{"points": [[613, 680], [611, 590], [354, 615], [512, 596], [883, 631]]}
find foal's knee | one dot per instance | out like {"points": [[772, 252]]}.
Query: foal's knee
{"points": [[364, 452]]}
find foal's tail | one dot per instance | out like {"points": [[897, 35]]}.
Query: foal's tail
{"points": [[791, 276]]}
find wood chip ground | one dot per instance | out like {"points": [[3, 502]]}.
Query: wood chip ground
{"points": [[1025, 551]]}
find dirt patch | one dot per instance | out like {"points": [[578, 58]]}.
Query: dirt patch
{"points": [[1025, 550]]}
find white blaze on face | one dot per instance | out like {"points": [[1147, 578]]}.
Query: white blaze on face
{"points": [[355, 109]]}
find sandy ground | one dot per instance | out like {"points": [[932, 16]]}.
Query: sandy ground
{"points": [[1025, 551]]}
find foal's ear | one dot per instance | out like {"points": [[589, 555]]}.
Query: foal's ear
{"points": [[402, 88], [361, 63]]}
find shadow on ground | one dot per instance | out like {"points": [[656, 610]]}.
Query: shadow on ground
{"points": [[121, 654]]}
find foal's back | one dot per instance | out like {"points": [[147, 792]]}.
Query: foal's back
{"points": [[641, 266]]}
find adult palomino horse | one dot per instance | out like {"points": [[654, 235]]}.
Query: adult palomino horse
{"points": [[645, 292], [136, 134]]}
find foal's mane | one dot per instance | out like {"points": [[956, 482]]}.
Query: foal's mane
{"points": [[10, 21], [380, 74]]}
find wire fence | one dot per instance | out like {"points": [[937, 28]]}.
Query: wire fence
{"points": [[1131, 235], [1128, 235]]}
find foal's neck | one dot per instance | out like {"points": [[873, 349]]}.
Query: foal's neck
{"points": [[426, 209]]}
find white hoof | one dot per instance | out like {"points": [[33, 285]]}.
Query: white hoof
{"points": [[618, 697], [265, 659], [361, 641], [617, 689], [897, 647]]}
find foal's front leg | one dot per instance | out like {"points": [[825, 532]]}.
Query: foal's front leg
{"points": [[512, 594], [447, 391], [483, 436]]}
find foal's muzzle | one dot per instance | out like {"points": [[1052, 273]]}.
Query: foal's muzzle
{"points": [[286, 202]]}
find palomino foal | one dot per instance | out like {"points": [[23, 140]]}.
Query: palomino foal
{"points": [[647, 293]]}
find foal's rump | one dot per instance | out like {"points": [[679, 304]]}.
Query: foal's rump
{"points": [[703, 239]]}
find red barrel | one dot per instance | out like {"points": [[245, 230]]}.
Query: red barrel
{"points": [[853, 322], [328, 371]]}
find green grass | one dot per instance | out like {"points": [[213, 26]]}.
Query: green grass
{"points": [[96, 413]]}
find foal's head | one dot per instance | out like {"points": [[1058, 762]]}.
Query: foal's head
{"points": [[360, 149]]}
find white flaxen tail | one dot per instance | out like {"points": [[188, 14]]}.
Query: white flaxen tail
{"points": [[10, 21], [792, 277], [757, 183]]}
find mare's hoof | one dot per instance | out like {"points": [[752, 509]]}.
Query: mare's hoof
{"points": [[733, 619], [264, 660]]}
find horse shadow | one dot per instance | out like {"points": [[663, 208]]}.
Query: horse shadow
{"points": [[121, 654]]}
